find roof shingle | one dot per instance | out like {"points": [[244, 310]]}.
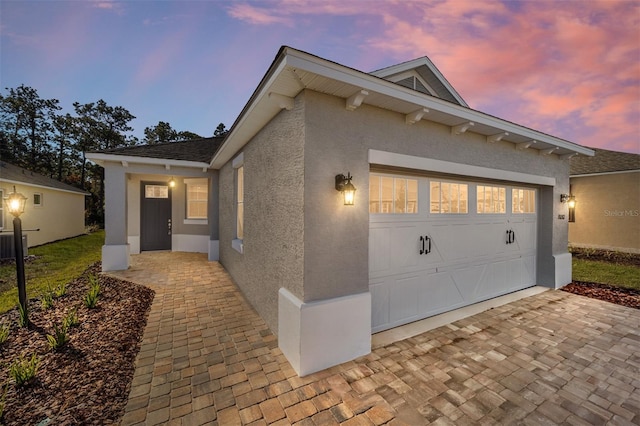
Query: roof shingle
{"points": [[9, 172], [604, 161], [200, 150]]}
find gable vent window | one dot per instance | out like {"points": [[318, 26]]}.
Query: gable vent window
{"points": [[37, 199], [413, 83]]}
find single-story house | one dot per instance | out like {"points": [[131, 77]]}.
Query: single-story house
{"points": [[606, 188], [452, 206], [53, 211]]}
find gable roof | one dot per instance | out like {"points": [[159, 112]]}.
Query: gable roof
{"points": [[293, 71], [425, 75], [194, 152], [604, 161], [14, 174]]}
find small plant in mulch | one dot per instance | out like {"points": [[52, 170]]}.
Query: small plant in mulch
{"points": [[4, 334], [71, 319], [23, 370], [47, 298], [59, 338], [91, 298], [61, 290], [23, 316]]}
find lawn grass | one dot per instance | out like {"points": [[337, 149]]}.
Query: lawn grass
{"points": [[626, 276], [55, 263]]}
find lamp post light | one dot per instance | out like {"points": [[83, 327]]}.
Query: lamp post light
{"points": [[15, 204]]}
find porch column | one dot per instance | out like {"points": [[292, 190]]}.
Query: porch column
{"points": [[115, 252]]}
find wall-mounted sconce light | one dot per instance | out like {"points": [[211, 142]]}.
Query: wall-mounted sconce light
{"points": [[569, 199], [172, 182], [344, 185]]}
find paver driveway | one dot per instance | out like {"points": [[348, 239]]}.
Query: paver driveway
{"points": [[207, 358]]}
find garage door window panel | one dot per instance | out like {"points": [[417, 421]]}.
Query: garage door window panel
{"points": [[448, 197], [491, 199], [393, 195], [523, 201]]}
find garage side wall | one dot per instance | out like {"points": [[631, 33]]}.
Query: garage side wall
{"points": [[607, 212], [273, 248], [338, 141]]}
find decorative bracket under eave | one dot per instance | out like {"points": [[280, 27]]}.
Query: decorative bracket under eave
{"points": [[355, 100], [568, 156], [524, 145], [461, 128], [497, 137], [284, 102], [549, 151], [167, 166], [124, 163], [415, 116]]}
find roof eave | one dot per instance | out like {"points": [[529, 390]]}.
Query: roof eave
{"points": [[261, 108], [126, 160]]}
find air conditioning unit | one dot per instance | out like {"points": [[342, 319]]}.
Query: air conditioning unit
{"points": [[7, 246]]}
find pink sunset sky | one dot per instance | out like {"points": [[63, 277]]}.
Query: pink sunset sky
{"points": [[567, 68]]}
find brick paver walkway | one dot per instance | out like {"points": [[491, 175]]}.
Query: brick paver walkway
{"points": [[208, 358]]}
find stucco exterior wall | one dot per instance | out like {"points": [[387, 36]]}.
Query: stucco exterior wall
{"points": [[338, 141], [607, 212], [60, 216], [273, 215]]}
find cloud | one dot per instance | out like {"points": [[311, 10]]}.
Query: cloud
{"points": [[257, 16]]}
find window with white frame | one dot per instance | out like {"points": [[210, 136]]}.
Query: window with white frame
{"points": [[491, 199], [523, 201], [389, 194], [197, 191], [37, 199], [448, 197]]}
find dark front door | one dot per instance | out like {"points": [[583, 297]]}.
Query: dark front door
{"points": [[155, 216]]}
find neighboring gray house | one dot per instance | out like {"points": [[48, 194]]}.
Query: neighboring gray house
{"points": [[606, 188], [48, 202], [452, 206]]}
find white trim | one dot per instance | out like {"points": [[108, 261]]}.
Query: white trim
{"points": [[605, 173], [115, 257], [214, 250], [428, 164], [562, 269], [190, 243], [238, 161], [134, 244], [313, 335], [237, 245], [196, 221], [101, 158]]}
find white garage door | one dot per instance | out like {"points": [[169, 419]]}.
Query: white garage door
{"points": [[439, 244]]}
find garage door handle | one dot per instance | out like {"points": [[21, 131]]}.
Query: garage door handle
{"points": [[428, 240], [511, 236], [421, 244]]}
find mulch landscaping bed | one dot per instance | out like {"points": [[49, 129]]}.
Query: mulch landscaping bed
{"points": [[617, 295], [88, 380]]}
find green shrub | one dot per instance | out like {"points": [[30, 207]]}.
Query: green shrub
{"points": [[59, 338], [4, 334], [23, 370]]}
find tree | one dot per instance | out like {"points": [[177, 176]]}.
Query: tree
{"points": [[101, 127], [163, 133], [27, 126], [220, 130]]}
